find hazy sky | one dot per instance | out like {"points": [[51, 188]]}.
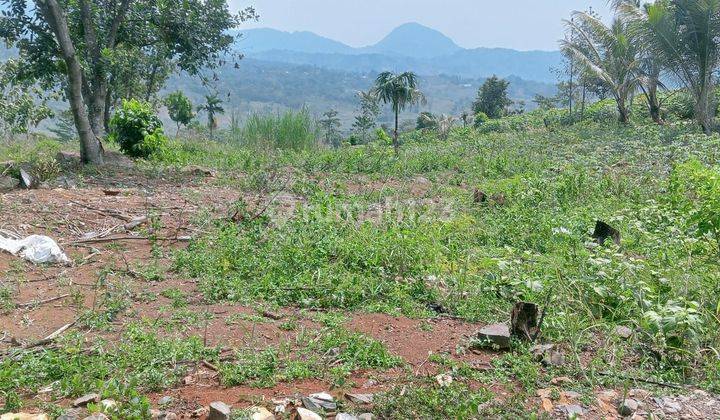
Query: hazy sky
{"points": [[519, 24]]}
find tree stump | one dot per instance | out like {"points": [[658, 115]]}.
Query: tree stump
{"points": [[525, 321]]}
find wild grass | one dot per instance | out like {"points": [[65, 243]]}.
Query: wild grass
{"points": [[292, 130]]}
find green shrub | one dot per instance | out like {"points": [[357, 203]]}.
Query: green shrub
{"points": [[137, 130], [481, 118], [382, 137]]}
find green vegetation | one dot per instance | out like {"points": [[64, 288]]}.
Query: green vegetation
{"points": [[137, 130], [291, 130]]}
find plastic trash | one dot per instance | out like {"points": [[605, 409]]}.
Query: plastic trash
{"points": [[35, 248]]}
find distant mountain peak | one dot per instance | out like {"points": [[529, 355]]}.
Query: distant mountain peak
{"points": [[415, 40]]}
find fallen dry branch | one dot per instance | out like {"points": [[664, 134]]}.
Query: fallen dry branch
{"points": [[52, 337], [127, 238], [41, 302]]}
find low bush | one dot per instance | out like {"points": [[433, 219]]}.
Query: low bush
{"points": [[137, 130]]}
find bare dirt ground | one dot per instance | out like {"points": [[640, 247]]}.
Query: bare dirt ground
{"points": [[89, 217]]}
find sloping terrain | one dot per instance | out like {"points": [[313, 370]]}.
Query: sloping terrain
{"points": [[258, 279]]}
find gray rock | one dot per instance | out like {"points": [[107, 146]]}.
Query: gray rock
{"points": [[669, 405], [97, 416], [26, 180], [165, 400], [628, 407], [305, 414], [319, 401], [366, 416], [554, 358], [573, 410], [70, 414], [86, 399], [539, 350], [360, 398], [495, 335], [8, 183], [162, 415], [623, 332], [345, 416], [219, 411]]}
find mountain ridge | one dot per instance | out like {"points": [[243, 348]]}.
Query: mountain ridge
{"points": [[410, 46]]}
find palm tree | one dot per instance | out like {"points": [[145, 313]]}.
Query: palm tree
{"points": [[650, 63], [399, 90], [213, 106], [684, 34], [608, 53]]}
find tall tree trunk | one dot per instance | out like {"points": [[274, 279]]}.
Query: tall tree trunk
{"points": [[106, 113], [704, 109], [623, 109], [396, 142], [582, 105], [654, 103], [90, 147]]}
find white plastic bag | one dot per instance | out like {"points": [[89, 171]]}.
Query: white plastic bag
{"points": [[35, 248]]}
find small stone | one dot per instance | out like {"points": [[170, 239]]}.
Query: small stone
{"points": [[554, 358], [360, 398], [628, 407], [86, 399], [320, 400], [26, 180], [199, 412], [369, 383], [305, 414], [70, 414], [495, 335], [444, 380], [345, 416], [641, 394], [8, 183], [261, 413], [219, 411], [539, 350], [165, 400], [623, 332], [366, 416], [97, 416], [561, 380], [573, 410], [670, 406]]}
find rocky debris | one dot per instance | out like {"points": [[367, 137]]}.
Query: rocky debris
{"points": [[360, 398], [219, 411], [366, 416], [623, 332], [444, 379], [70, 414], [165, 400], [549, 355], [163, 415], [27, 181], [97, 416], [86, 399], [24, 416], [67, 159], [669, 405], [318, 402], [345, 416], [305, 414], [199, 412], [420, 187], [8, 183], [572, 410], [495, 335], [628, 407], [524, 321], [261, 413], [604, 231]]}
